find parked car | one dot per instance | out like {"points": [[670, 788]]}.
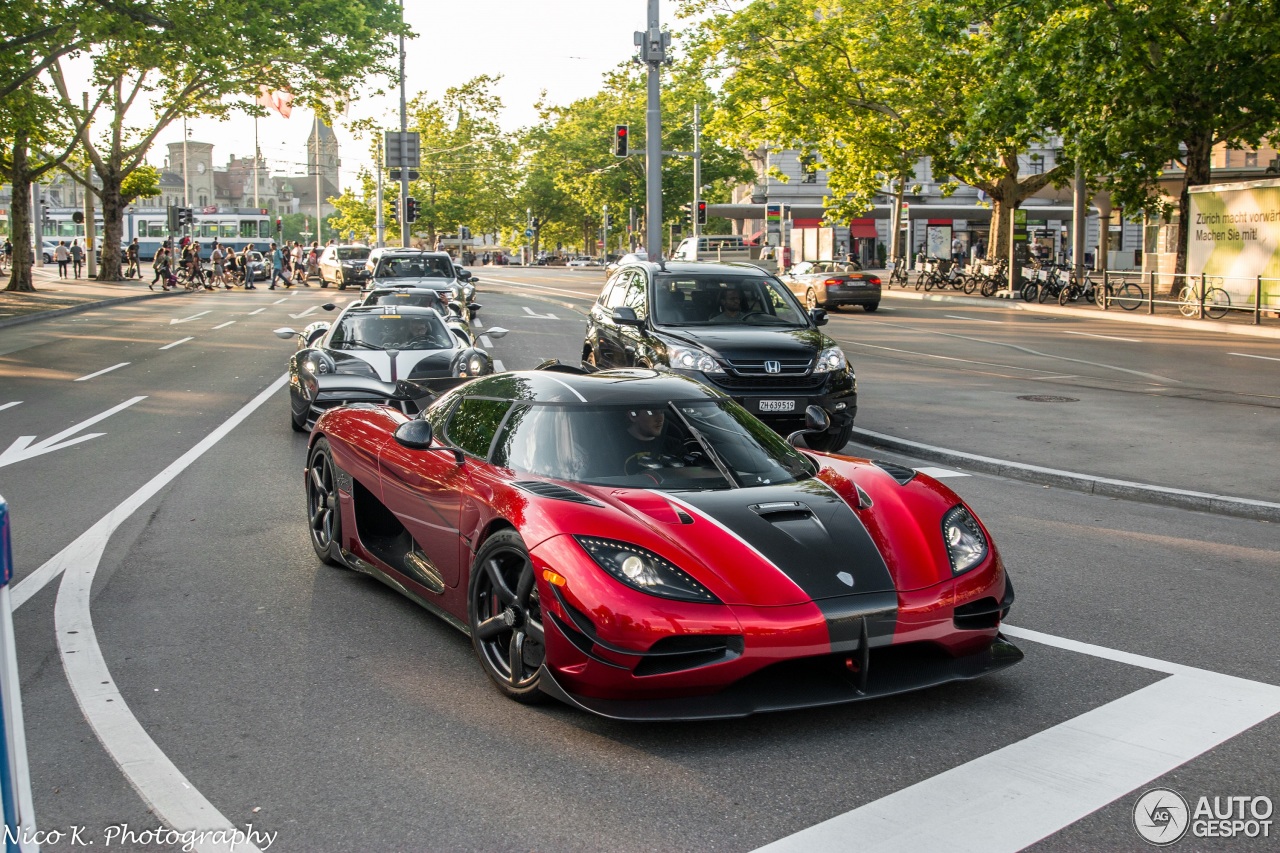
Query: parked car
{"points": [[766, 352], [344, 266], [638, 546], [833, 284], [583, 261]]}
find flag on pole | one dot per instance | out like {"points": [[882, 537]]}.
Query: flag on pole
{"points": [[279, 100]]}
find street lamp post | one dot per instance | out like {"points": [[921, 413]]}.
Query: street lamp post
{"points": [[653, 43]]}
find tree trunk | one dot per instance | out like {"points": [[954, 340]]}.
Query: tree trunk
{"points": [[896, 249], [1199, 153], [20, 280], [112, 232]]}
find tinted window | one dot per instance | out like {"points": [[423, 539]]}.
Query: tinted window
{"points": [[355, 253], [415, 267], [422, 297], [474, 424], [695, 299], [633, 295], [417, 331], [615, 292]]}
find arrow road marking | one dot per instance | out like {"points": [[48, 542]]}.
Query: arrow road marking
{"points": [[188, 319], [529, 311], [175, 343], [310, 310], [23, 448], [106, 370], [10, 405], [224, 325]]}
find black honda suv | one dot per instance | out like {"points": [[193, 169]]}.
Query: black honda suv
{"points": [[733, 327]]}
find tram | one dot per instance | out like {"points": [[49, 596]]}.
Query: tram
{"points": [[231, 227]]}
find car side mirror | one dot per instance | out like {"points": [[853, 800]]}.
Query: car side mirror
{"points": [[473, 280], [414, 434], [819, 316], [473, 307], [329, 306], [816, 420], [285, 333], [625, 316], [496, 332]]}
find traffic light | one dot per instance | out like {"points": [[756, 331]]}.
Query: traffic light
{"points": [[686, 214], [608, 221], [410, 209], [620, 140], [174, 222], [279, 224], [395, 211], [702, 213]]}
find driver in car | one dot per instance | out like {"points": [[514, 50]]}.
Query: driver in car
{"points": [[647, 443], [730, 306]]}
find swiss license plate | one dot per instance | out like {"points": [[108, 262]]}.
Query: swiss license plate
{"points": [[777, 405]]}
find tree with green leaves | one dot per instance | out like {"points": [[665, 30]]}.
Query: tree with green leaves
{"points": [[1137, 85], [870, 87], [149, 78]]}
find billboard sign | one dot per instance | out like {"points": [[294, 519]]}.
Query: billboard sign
{"points": [[1234, 233]]}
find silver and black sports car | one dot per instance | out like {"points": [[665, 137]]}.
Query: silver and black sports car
{"points": [[382, 343]]}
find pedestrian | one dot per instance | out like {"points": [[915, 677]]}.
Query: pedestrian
{"points": [[216, 256], [131, 256], [63, 256], [160, 263], [8, 253], [230, 268], [957, 251], [277, 268], [77, 257], [246, 263]]}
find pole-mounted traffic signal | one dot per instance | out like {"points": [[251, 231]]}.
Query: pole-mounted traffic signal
{"points": [[410, 209], [395, 211], [686, 214], [702, 213], [620, 139]]}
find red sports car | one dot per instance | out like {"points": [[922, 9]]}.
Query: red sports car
{"points": [[637, 545]]}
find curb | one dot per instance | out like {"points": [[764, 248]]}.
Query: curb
{"points": [[1117, 314], [1104, 486], [88, 306]]}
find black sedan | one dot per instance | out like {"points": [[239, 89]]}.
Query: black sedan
{"points": [[832, 284]]}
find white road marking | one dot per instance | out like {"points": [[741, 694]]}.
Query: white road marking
{"points": [[161, 785], [22, 448], [259, 311], [574, 293], [476, 324], [159, 782], [277, 302], [1104, 337], [223, 325], [1011, 798], [942, 473], [974, 319], [10, 405], [175, 343], [107, 370], [498, 366], [311, 310], [187, 319], [1248, 355], [531, 313], [485, 342]]}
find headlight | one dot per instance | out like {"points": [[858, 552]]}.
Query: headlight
{"points": [[474, 364], [830, 360], [644, 570], [684, 358], [966, 546]]}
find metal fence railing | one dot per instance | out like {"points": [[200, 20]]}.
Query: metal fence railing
{"points": [[1196, 296]]}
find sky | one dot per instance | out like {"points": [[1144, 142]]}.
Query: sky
{"points": [[562, 46]]}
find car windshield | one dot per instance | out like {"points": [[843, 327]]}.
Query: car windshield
{"points": [[415, 267], [699, 445], [706, 299], [355, 253], [423, 297], [390, 331]]}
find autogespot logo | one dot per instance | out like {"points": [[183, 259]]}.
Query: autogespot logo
{"points": [[1161, 816]]}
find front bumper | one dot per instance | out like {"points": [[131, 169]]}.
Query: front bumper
{"points": [[780, 401]]}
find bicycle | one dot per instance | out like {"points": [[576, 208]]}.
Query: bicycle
{"points": [[1128, 295], [898, 275], [1215, 302]]}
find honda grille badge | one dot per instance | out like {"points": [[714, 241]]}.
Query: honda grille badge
{"points": [[845, 578], [773, 367]]}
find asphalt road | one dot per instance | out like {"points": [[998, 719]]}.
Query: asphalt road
{"points": [[318, 704]]}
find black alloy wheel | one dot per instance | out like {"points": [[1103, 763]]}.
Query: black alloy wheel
{"points": [[324, 515], [506, 617]]}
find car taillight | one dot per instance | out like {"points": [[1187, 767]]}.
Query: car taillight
{"points": [[833, 282], [871, 279]]}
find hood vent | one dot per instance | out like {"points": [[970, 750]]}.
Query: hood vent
{"points": [[555, 491], [901, 473]]}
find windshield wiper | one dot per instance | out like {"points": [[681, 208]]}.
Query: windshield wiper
{"points": [[707, 448], [356, 342]]}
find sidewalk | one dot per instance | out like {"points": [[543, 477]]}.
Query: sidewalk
{"points": [[57, 296]]}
